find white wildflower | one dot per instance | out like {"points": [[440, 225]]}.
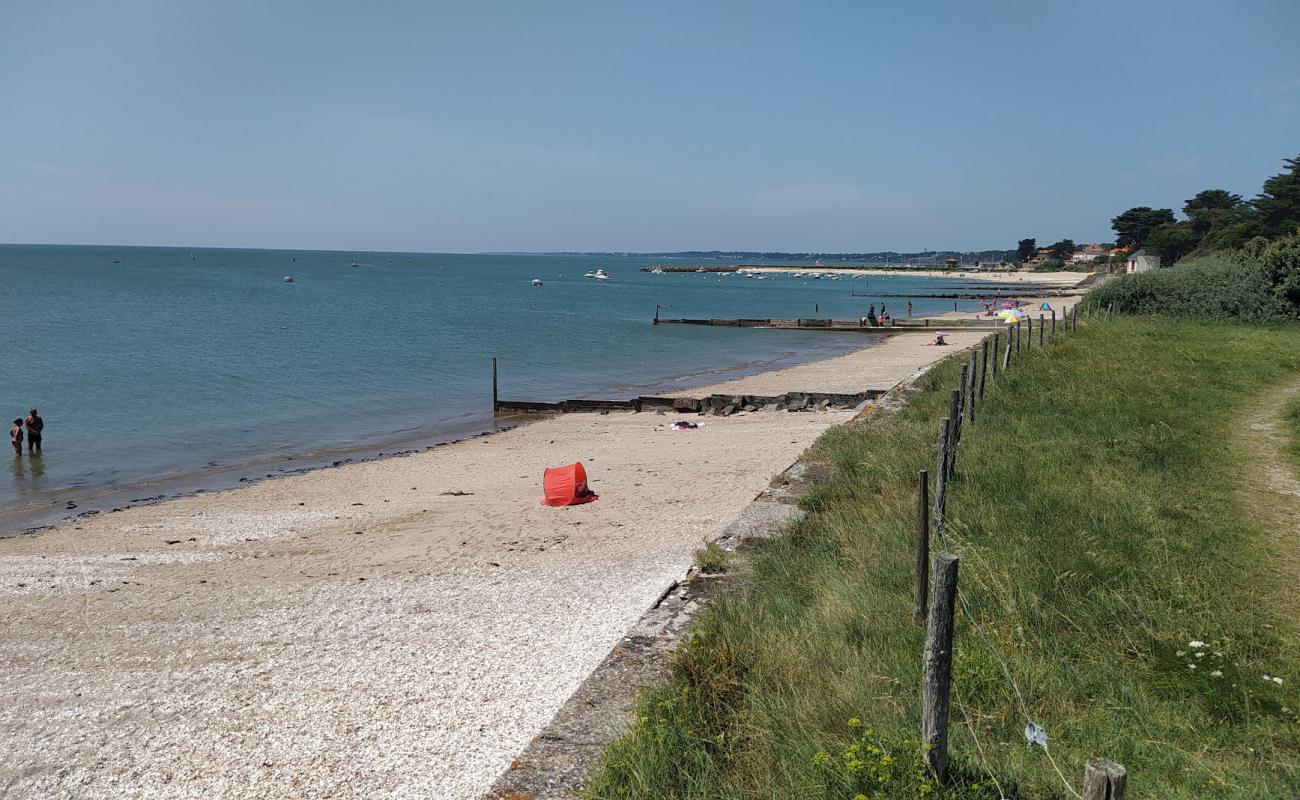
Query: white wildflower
{"points": [[1278, 681], [1191, 666], [1196, 643], [1179, 654], [1267, 678], [1200, 655], [1218, 673]]}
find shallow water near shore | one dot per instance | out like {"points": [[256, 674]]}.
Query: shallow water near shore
{"points": [[174, 363]]}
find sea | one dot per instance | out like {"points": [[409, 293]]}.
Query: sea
{"points": [[167, 370]]}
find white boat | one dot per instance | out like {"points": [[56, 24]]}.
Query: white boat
{"points": [[599, 275], [287, 279], [537, 281]]}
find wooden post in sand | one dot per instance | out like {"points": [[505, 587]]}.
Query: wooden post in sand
{"points": [[1104, 780], [936, 667], [984, 364], [941, 478], [920, 597], [494, 386], [1040, 330]]}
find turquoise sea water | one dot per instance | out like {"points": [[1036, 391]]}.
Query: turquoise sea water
{"points": [[175, 362]]}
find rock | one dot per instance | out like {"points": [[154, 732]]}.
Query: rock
{"points": [[728, 410], [751, 408], [773, 407], [686, 404]]}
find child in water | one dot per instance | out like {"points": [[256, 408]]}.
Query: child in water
{"points": [[16, 436]]}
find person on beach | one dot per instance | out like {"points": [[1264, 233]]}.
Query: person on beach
{"points": [[909, 309], [16, 437], [34, 425], [871, 316], [938, 341]]}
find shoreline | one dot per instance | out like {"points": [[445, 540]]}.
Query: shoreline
{"points": [[1055, 280], [111, 498], [400, 626]]}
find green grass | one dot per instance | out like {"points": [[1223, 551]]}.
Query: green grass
{"points": [[712, 558], [1097, 518]]}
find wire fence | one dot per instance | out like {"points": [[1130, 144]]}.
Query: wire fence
{"points": [[936, 593]]}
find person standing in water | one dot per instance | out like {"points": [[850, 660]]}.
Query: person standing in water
{"points": [[16, 437], [34, 425]]}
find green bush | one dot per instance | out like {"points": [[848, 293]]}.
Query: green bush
{"points": [[1223, 287]]}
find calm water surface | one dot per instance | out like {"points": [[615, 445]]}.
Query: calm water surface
{"points": [[175, 362]]}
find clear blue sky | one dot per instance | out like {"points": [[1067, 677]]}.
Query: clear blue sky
{"points": [[631, 126]]}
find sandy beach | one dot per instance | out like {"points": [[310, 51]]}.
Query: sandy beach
{"points": [[394, 628], [1055, 280]]}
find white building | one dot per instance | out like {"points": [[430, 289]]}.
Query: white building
{"points": [[1142, 261]]}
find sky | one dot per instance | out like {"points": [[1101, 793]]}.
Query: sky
{"points": [[631, 126]]}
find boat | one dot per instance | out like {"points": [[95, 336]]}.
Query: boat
{"points": [[288, 279], [599, 275], [355, 264], [537, 281], [117, 261]]}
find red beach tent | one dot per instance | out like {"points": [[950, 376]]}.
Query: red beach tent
{"points": [[566, 486]]}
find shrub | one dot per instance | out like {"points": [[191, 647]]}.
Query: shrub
{"points": [[1225, 287]]}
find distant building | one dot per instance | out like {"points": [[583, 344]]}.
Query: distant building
{"points": [[1142, 261], [1090, 253], [951, 262]]}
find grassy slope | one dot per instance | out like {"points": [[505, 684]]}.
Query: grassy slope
{"points": [[1291, 415], [1097, 523]]}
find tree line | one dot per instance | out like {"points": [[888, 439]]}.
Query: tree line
{"points": [[1215, 220]]}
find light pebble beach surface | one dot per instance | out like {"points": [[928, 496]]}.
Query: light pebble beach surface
{"points": [[394, 628]]}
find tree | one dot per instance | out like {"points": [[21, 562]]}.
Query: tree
{"points": [[1134, 226], [1172, 241], [1025, 249], [1278, 206], [1211, 211], [1063, 250]]}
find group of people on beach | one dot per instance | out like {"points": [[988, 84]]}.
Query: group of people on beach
{"points": [[32, 426], [876, 320]]}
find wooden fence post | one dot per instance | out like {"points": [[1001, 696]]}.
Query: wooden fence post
{"points": [[1053, 323], [919, 592], [954, 429], [984, 365], [494, 386], [1040, 330], [997, 337], [970, 386], [1103, 779], [1029, 338], [936, 670], [1006, 357], [1020, 326], [941, 478]]}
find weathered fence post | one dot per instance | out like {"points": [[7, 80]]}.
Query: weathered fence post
{"points": [[919, 596], [941, 478], [1040, 330], [984, 365], [1006, 357], [954, 429], [1053, 323], [970, 387], [1029, 338], [1103, 779], [1020, 325], [936, 668], [494, 386], [997, 337]]}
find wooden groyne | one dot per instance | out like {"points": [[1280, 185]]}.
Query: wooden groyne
{"points": [[895, 326], [717, 404]]}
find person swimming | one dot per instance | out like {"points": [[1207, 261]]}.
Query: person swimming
{"points": [[16, 437]]}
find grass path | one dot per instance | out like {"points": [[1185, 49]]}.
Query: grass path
{"points": [[1271, 494]]}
